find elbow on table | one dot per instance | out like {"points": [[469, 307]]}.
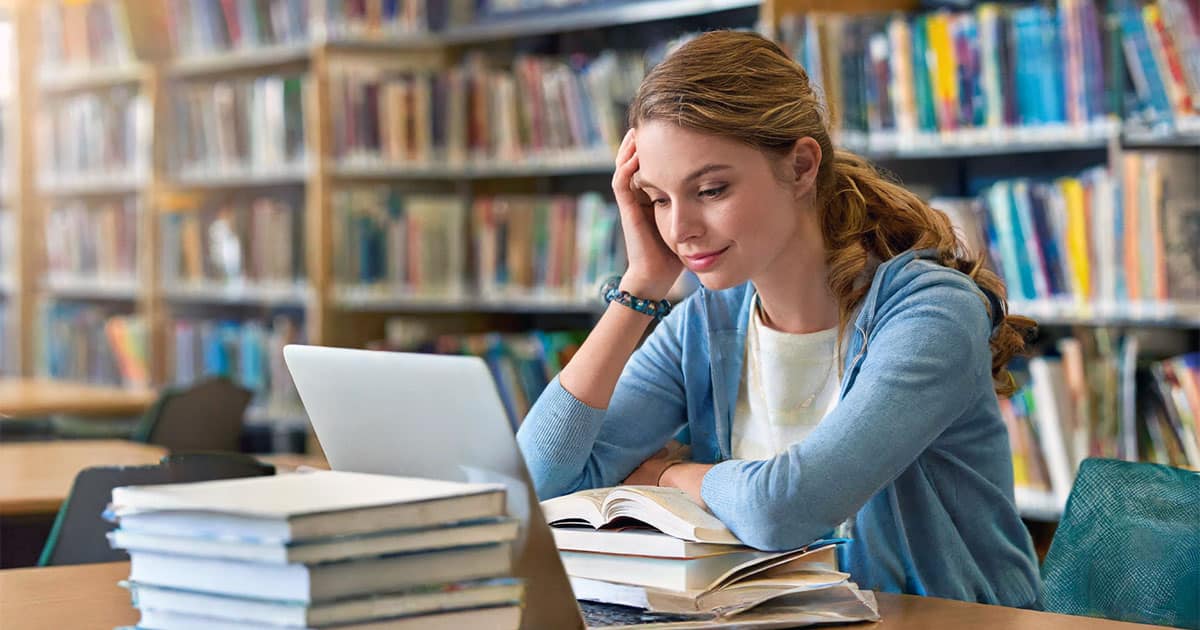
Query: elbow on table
{"points": [[776, 528]]}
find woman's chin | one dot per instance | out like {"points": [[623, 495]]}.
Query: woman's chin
{"points": [[720, 281]]}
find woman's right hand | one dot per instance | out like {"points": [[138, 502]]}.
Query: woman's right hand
{"points": [[653, 267]]}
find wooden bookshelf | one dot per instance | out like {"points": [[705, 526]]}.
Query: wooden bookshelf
{"points": [[591, 17], [28, 220], [338, 314], [240, 61], [573, 163], [79, 79], [1127, 314], [83, 184]]}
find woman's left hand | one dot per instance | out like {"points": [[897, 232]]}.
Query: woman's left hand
{"points": [[670, 468], [689, 477], [648, 473]]}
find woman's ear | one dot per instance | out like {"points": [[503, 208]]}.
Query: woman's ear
{"points": [[806, 161]]}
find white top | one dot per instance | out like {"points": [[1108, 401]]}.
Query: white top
{"points": [[790, 382]]}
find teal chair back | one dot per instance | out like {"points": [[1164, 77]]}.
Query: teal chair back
{"points": [[1128, 545], [79, 534]]}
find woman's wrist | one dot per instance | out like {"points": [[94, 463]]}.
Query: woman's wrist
{"points": [[687, 476], [665, 468], [644, 288]]}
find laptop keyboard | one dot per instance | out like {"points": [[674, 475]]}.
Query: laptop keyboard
{"points": [[598, 615]]}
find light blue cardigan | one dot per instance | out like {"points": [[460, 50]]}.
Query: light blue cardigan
{"points": [[915, 451]]}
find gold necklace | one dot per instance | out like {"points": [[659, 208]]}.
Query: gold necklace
{"points": [[756, 378]]}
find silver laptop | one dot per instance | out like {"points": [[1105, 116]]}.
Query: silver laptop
{"points": [[433, 416]]}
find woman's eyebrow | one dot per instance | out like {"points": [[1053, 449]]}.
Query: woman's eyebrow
{"points": [[640, 181]]}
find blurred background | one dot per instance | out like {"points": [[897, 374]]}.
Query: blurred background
{"points": [[188, 185]]}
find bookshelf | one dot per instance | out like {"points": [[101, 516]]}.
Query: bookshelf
{"points": [[82, 79], [333, 58], [588, 17]]}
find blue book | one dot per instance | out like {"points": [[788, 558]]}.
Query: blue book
{"points": [[1148, 84], [1025, 24], [1050, 75], [1000, 214], [252, 357], [1033, 276], [1046, 235]]}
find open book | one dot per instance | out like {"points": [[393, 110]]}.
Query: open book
{"points": [[754, 581], [668, 510]]}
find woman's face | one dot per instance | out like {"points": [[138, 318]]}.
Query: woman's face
{"points": [[718, 203]]}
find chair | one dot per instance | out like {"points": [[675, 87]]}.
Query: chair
{"points": [[207, 466], [1128, 545], [79, 532], [207, 416]]}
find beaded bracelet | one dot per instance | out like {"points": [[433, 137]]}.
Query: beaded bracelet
{"points": [[611, 292]]}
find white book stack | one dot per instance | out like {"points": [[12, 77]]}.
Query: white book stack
{"points": [[319, 550], [654, 549]]}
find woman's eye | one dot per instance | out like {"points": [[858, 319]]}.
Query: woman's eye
{"points": [[712, 193], [659, 203]]}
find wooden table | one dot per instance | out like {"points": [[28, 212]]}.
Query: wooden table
{"points": [[21, 398], [291, 462], [35, 477], [87, 596]]}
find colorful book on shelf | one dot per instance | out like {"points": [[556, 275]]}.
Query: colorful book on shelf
{"points": [[1097, 400], [1101, 242], [90, 34], [248, 352], [96, 240], [100, 132], [523, 247], [240, 241], [210, 27], [79, 347], [922, 79], [233, 125], [413, 242], [542, 110]]}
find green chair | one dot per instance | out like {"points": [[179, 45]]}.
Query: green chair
{"points": [[79, 534], [207, 416], [1128, 545]]}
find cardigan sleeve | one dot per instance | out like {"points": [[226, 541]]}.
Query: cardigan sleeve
{"points": [[923, 366], [570, 446]]}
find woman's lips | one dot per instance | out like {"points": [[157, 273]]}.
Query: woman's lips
{"points": [[704, 261]]}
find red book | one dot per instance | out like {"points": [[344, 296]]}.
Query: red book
{"points": [[232, 25]]}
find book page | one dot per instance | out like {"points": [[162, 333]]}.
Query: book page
{"points": [[740, 596], [670, 510], [585, 506]]}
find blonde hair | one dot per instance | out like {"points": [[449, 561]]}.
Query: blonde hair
{"points": [[743, 86]]}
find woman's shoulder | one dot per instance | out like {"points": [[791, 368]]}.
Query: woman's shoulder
{"points": [[916, 277]]}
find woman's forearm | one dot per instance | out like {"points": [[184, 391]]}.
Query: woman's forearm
{"points": [[592, 374]]}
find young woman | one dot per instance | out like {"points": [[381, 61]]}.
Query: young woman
{"points": [[841, 361]]}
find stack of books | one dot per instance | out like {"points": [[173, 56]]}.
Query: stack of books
{"points": [[318, 550], [654, 549]]}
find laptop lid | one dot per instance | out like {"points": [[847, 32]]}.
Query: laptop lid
{"points": [[436, 416]]}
